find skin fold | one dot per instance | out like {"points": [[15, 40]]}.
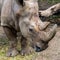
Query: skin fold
{"points": [[24, 18], [30, 26]]}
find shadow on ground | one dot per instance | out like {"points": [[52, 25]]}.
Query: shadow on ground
{"points": [[51, 53], [4, 47]]}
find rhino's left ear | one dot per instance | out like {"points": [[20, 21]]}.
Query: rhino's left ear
{"points": [[20, 2]]}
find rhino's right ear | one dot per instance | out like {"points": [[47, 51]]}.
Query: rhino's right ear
{"points": [[20, 2]]}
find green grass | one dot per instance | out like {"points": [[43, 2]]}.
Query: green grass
{"points": [[4, 43], [51, 1], [4, 48]]}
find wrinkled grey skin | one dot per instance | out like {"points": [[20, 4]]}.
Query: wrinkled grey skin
{"points": [[16, 18], [1, 3], [8, 15], [30, 26]]}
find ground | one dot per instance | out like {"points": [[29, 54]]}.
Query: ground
{"points": [[4, 47], [51, 53]]}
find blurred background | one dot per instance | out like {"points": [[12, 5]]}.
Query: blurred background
{"points": [[44, 4]]}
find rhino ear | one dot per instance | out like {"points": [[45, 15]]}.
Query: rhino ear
{"points": [[20, 2]]}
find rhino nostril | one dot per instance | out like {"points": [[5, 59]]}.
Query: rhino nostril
{"points": [[38, 49]]}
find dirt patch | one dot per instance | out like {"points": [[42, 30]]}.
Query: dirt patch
{"points": [[53, 51]]}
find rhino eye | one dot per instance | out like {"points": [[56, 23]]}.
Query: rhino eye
{"points": [[30, 29]]}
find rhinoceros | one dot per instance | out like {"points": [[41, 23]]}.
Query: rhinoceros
{"points": [[22, 16]]}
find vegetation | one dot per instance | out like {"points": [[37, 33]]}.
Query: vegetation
{"points": [[44, 4], [4, 48], [50, 1], [4, 42]]}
